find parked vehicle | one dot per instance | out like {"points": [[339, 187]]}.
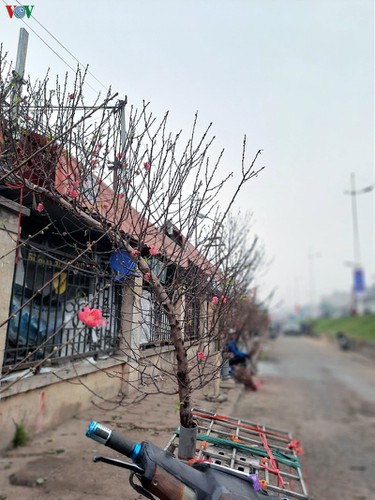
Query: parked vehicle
{"points": [[292, 328], [274, 330], [343, 341]]}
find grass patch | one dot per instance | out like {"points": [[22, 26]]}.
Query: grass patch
{"points": [[360, 327], [20, 437], [55, 452]]}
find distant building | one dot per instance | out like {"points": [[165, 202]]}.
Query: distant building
{"points": [[370, 300], [335, 305]]}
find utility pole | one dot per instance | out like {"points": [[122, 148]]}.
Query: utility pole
{"points": [[296, 295], [313, 307], [122, 105], [119, 162], [353, 193], [358, 276], [18, 73]]}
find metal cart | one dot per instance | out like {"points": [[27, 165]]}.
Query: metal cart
{"points": [[273, 455]]}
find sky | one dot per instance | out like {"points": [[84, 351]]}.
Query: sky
{"points": [[295, 76]]}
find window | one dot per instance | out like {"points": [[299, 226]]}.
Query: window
{"points": [[155, 329], [192, 316], [47, 294]]}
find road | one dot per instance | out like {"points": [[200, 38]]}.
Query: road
{"points": [[326, 398]]}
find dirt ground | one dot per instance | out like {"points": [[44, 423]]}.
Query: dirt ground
{"points": [[58, 464], [304, 392]]}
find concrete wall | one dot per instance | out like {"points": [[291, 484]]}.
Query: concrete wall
{"points": [[9, 212], [44, 401]]}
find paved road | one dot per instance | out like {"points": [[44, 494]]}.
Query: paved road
{"points": [[326, 398]]}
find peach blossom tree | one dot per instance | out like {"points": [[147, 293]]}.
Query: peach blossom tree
{"points": [[122, 177]]}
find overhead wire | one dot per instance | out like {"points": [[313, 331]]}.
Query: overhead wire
{"points": [[67, 50], [54, 51]]}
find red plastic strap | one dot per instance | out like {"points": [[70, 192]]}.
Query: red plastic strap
{"points": [[224, 418], [274, 466], [296, 446], [19, 227]]}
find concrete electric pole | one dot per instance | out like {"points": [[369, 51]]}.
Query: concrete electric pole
{"points": [[18, 73]]}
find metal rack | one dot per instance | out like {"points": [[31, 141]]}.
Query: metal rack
{"points": [[250, 448]]}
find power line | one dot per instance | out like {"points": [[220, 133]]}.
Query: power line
{"points": [[50, 106], [68, 51]]}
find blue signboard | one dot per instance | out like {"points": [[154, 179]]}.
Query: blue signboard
{"points": [[358, 280], [122, 264]]}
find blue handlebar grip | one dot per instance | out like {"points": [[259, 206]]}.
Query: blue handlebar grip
{"points": [[114, 440], [98, 432]]}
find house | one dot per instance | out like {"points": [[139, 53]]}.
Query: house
{"points": [[53, 263]]}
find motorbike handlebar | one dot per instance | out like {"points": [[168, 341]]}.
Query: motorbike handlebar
{"points": [[114, 440], [167, 477]]}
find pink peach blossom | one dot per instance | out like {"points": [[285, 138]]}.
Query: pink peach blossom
{"points": [[73, 193], [154, 250], [91, 317], [215, 300], [147, 276], [135, 252], [223, 299], [200, 355], [40, 207], [147, 166]]}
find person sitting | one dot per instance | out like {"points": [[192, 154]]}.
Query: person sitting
{"points": [[237, 362]]}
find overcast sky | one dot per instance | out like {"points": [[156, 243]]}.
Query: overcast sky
{"points": [[295, 76]]}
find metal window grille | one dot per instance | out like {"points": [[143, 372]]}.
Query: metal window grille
{"points": [[192, 317], [155, 329], [47, 295]]}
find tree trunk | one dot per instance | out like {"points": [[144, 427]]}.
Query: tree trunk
{"points": [[183, 379]]}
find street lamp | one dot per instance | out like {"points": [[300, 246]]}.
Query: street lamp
{"points": [[201, 216], [358, 275]]}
